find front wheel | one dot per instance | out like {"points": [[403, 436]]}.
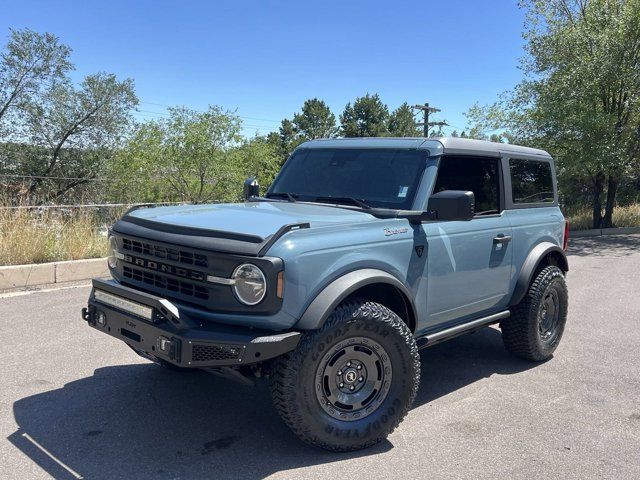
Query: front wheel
{"points": [[350, 383]]}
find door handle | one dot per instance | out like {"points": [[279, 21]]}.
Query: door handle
{"points": [[502, 239]]}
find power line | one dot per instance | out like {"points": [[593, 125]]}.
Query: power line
{"points": [[204, 111], [38, 177], [84, 179], [90, 205], [154, 115]]}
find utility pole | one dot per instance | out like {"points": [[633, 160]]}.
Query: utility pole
{"points": [[426, 125]]}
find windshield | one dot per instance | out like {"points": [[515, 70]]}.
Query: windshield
{"points": [[375, 177]]}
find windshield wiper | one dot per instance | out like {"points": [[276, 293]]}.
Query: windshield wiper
{"points": [[354, 201], [289, 196]]}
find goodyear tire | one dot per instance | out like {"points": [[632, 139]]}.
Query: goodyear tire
{"points": [[537, 323], [350, 383]]}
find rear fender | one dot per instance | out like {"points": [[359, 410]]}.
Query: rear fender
{"points": [[531, 263]]}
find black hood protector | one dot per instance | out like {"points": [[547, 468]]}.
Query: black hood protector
{"points": [[200, 238]]}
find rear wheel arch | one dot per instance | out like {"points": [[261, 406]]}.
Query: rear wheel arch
{"points": [[542, 255], [555, 259], [369, 284]]}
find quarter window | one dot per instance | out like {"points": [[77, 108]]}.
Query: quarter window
{"points": [[477, 174], [531, 181]]}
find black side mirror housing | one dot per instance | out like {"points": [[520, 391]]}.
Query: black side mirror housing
{"points": [[450, 205], [251, 188]]}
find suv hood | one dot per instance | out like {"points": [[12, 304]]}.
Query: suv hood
{"points": [[243, 228]]}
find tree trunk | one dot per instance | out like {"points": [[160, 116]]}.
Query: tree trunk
{"points": [[598, 186], [612, 187]]}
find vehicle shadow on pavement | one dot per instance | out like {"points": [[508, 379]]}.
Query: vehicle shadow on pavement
{"points": [[605, 245], [452, 365], [142, 421]]}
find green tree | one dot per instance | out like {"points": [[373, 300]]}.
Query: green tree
{"points": [[483, 129], [196, 157], [315, 120], [51, 127], [367, 117], [285, 140], [75, 130], [254, 156], [402, 122], [30, 63], [186, 153], [581, 96]]}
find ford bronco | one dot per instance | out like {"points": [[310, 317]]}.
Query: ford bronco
{"points": [[360, 253]]}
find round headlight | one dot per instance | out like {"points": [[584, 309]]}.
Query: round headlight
{"points": [[250, 285], [113, 248]]}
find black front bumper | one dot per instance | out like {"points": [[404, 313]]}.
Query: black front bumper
{"points": [[169, 334]]}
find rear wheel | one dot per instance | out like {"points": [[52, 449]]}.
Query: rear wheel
{"points": [[537, 323], [350, 383]]}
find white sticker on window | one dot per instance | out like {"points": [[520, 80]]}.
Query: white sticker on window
{"points": [[403, 191]]}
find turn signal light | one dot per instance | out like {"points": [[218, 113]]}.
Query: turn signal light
{"points": [[280, 285]]}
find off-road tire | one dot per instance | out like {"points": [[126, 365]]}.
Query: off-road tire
{"points": [[294, 378], [521, 332]]}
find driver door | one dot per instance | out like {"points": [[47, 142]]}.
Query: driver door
{"points": [[469, 263]]}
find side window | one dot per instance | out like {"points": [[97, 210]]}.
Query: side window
{"points": [[531, 181], [477, 174]]}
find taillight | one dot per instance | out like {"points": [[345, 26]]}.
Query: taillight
{"points": [[565, 240]]}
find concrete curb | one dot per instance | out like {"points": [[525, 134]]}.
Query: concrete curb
{"points": [[604, 231], [24, 276]]}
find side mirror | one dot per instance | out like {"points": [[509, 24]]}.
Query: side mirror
{"points": [[452, 205], [251, 188]]}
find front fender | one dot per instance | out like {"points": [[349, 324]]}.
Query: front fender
{"points": [[333, 294]]}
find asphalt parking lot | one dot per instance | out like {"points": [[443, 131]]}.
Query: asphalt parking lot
{"points": [[77, 404]]}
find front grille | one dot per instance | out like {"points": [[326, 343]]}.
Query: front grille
{"points": [[167, 283], [208, 352], [176, 255]]}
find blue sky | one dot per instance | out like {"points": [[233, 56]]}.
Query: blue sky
{"points": [[264, 58]]}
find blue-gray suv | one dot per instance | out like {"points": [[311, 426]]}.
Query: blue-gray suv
{"points": [[361, 252]]}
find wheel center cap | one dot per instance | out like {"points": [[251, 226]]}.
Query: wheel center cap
{"points": [[350, 376]]}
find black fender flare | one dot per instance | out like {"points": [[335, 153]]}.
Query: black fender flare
{"points": [[531, 263], [333, 294]]}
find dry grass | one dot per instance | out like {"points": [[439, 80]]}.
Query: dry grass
{"points": [[580, 219], [35, 237], [628, 216]]}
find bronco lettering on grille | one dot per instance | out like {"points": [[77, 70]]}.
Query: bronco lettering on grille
{"points": [[164, 268]]}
